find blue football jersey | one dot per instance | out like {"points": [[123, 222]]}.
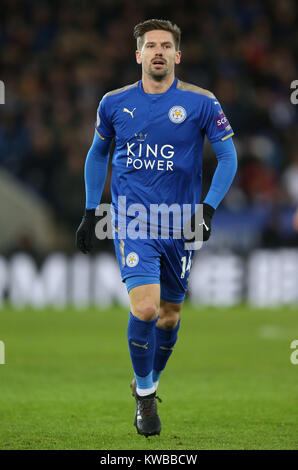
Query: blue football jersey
{"points": [[159, 142]]}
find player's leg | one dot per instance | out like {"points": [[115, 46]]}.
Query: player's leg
{"points": [[145, 301], [139, 262], [175, 269], [166, 334], [166, 331], [169, 314], [144, 305], [144, 310]]}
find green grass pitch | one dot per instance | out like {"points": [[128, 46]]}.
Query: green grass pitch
{"points": [[229, 384]]}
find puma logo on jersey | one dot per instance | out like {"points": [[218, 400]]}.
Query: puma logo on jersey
{"points": [[125, 110]]}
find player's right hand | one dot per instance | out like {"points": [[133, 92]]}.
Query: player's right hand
{"points": [[85, 232]]}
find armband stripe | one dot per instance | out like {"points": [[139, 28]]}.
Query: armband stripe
{"points": [[99, 134], [227, 136]]}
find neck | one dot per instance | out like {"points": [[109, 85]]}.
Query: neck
{"points": [[152, 86]]}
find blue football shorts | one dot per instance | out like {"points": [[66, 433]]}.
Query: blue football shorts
{"points": [[161, 261]]}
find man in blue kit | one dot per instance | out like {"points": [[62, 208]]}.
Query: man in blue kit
{"points": [[159, 124]]}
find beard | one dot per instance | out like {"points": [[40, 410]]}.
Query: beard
{"points": [[158, 75]]}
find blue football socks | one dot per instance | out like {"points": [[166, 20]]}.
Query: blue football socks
{"points": [[165, 341], [141, 341], [150, 348]]}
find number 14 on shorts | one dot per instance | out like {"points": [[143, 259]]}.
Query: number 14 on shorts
{"points": [[184, 266]]}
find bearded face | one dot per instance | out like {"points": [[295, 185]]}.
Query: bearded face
{"points": [[158, 55]]}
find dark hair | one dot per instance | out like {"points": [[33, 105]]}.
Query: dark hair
{"points": [[149, 25]]}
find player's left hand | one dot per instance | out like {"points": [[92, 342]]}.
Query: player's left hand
{"points": [[208, 212]]}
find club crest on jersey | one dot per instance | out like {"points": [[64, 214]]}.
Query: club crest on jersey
{"points": [[177, 114], [132, 259]]}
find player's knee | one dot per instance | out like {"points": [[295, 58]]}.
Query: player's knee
{"points": [[169, 322], [169, 315], [146, 310]]}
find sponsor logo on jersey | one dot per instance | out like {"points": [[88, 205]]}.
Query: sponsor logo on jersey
{"points": [[177, 114], [165, 151], [149, 157]]}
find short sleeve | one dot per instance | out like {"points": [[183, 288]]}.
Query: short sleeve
{"points": [[103, 125], [217, 126]]}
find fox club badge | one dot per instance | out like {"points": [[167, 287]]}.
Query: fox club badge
{"points": [[177, 114], [132, 259]]}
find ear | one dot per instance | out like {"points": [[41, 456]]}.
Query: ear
{"points": [[139, 57], [177, 57]]}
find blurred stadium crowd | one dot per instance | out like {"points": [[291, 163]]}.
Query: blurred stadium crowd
{"points": [[57, 59]]}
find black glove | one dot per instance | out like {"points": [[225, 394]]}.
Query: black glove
{"points": [[85, 232], [208, 212]]}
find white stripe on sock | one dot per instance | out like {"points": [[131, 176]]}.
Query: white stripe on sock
{"points": [[142, 392]]}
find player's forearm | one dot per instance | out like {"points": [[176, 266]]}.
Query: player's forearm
{"points": [[224, 173], [95, 171]]}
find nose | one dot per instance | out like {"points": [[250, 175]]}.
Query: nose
{"points": [[158, 50]]}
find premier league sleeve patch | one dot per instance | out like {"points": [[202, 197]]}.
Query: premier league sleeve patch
{"points": [[222, 122]]}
